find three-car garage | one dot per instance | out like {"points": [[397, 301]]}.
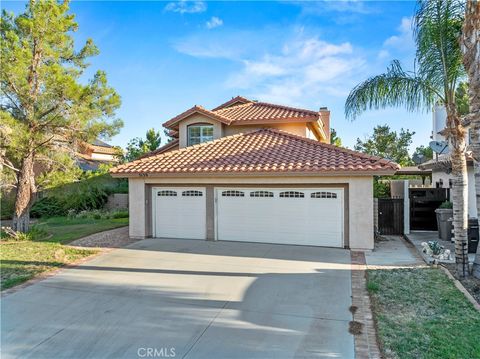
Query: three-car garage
{"points": [[290, 215]]}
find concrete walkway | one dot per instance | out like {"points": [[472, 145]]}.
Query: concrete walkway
{"points": [[393, 252], [187, 299]]}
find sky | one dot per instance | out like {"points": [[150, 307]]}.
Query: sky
{"points": [[165, 57]]}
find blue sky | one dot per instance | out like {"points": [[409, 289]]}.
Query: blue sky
{"points": [[165, 57]]}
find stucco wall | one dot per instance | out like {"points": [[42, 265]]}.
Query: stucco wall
{"points": [[299, 129], [182, 128], [136, 207], [359, 205], [472, 205]]}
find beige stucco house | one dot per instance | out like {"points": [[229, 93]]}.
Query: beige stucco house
{"points": [[255, 172]]}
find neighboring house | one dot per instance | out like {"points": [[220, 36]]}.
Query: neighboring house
{"points": [[91, 155], [441, 165], [254, 172]]}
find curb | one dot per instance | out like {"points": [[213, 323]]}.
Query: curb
{"points": [[461, 288]]}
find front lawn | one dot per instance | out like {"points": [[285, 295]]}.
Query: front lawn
{"points": [[23, 260], [421, 314], [65, 229]]}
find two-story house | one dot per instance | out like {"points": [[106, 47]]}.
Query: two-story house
{"points": [[255, 172]]}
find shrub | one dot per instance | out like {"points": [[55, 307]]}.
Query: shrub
{"points": [[35, 233], [48, 207], [120, 214], [86, 198], [381, 189], [7, 205], [100, 214], [446, 205]]}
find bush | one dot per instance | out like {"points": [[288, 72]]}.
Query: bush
{"points": [[99, 214], [120, 214], [35, 233], [381, 189], [7, 205], [48, 207], [446, 205]]}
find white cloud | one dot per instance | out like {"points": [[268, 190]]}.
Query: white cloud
{"points": [[404, 39], [340, 6], [296, 68], [303, 68], [186, 7], [214, 22]]}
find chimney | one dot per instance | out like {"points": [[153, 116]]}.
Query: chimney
{"points": [[325, 120]]}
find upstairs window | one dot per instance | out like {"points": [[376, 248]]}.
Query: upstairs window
{"points": [[199, 134]]}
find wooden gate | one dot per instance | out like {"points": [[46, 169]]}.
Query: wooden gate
{"points": [[390, 215]]}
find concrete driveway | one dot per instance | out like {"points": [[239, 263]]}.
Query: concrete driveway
{"points": [[167, 298]]}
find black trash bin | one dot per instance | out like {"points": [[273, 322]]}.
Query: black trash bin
{"points": [[473, 235]]}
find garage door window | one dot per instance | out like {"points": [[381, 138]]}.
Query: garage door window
{"points": [[166, 193], [323, 195], [292, 194], [233, 194], [261, 194], [192, 194]]}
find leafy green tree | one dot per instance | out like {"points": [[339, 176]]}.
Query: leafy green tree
{"points": [[387, 144], [425, 152], [334, 139], [437, 28], [45, 106], [461, 98], [138, 147]]}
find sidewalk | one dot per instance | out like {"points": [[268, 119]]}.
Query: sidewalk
{"points": [[393, 252]]}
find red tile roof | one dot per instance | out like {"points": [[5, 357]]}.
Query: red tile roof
{"points": [[196, 109], [240, 110], [261, 151], [234, 100], [262, 111]]}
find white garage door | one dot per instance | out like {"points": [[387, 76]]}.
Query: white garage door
{"points": [[286, 216], [179, 212]]}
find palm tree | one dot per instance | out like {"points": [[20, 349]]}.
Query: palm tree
{"points": [[437, 28], [471, 60]]}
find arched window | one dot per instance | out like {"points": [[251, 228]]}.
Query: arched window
{"points": [[166, 193], [323, 195], [292, 194], [231, 193], [192, 193], [261, 194]]}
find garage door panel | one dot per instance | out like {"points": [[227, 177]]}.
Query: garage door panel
{"points": [[179, 213], [291, 216]]}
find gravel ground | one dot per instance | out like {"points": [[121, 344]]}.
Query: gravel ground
{"points": [[115, 238]]}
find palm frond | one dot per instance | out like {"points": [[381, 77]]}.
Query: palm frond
{"points": [[437, 28], [394, 88]]}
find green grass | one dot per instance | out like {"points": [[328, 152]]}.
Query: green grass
{"points": [[65, 229], [23, 260], [421, 314]]}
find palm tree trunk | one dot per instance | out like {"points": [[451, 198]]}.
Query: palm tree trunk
{"points": [[471, 60], [460, 212], [25, 195]]}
